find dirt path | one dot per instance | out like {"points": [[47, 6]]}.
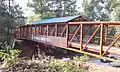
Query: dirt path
{"points": [[100, 68], [91, 67]]}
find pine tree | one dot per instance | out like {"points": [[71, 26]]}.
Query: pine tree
{"points": [[53, 8], [97, 10]]}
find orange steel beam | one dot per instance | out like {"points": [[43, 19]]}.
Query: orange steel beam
{"points": [[113, 42], [74, 35], [63, 31], [81, 36], [101, 39], [91, 37], [52, 31], [97, 22]]}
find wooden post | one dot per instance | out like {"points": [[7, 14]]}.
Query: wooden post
{"points": [[81, 36], [20, 32], [35, 29], [31, 30], [106, 34], [67, 34], [47, 30], [40, 30], [56, 30], [27, 30], [101, 39]]}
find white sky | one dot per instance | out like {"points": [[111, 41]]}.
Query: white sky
{"points": [[28, 11]]}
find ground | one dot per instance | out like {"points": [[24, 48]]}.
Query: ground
{"points": [[60, 54], [92, 67]]}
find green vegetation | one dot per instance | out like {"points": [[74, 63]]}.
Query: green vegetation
{"points": [[45, 64], [53, 8], [64, 66], [83, 58], [9, 56]]}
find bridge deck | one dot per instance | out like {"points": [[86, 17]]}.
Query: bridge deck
{"points": [[96, 48]]}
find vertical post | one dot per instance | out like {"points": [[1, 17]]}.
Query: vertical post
{"points": [[56, 30], [31, 30], [81, 36], [35, 29], [67, 34], [24, 30], [47, 30], [27, 30], [20, 32], [106, 34], [101, 39], [40, 30]]}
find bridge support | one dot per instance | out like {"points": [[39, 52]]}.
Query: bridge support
{"points": [[101, 39], [81, 36]]}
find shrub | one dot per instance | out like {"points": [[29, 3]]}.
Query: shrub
{"points": [[63, 66], [9, 56], [83, 58]]}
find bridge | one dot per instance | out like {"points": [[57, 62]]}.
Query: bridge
{"points": [[94, 38]]}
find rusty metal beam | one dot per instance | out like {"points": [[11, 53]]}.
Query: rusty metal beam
{"points": [[20, 33], [112, 43], [31, 30], [91, 37], [56, 30], [91, 54], [67, 34], [74, 35], [101, 39], [63, 31], [81, 36], [106, 34], [35, 30], [52, 31], [47, 30], [97, 22], [40, 30]]}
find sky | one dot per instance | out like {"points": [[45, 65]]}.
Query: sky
{"points": [[29, 12]]}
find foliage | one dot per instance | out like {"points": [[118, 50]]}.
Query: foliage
{"points": [[81, 58], [10, 17], [97, 10], [115, 8], [9, 56], [53, 66], [45, 63], [53, 8], [35, 17], [63, 66]]}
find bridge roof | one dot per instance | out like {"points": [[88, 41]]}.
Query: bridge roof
{"points": [[56, 20]]}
